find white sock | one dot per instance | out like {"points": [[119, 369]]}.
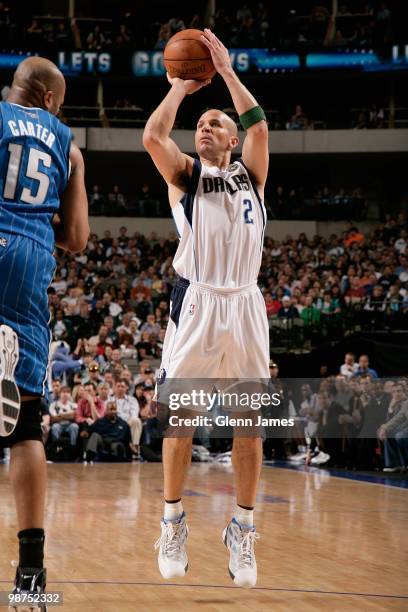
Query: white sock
{"points": [[244, 517], [173, 511]]}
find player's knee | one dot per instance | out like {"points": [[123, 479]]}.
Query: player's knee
{"points": [[248, 442]]}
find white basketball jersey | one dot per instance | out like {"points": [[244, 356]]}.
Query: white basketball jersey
{"points": [[221, 222]]}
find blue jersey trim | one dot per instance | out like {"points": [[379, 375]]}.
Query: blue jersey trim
{"points": [[187, 201], [177, 297]]}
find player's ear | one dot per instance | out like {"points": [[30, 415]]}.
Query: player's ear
{"points": [[48, 100], [234, 142]]}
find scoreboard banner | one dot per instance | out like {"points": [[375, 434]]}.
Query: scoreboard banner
{"points": [[245, 61]]}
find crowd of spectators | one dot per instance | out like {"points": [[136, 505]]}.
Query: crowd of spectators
{"points": [[322, 203], [283, 202], [244, 25], [365, 276], [110, 307], [144, 203], [352, 419]]}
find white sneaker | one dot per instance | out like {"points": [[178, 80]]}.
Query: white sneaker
{"points": [[173, 561], [9, 393], [298, 458], [320, 458], [240, 542], [393, 469]]}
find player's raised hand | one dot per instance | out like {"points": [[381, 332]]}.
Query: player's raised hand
{"points": [[190, 85], [219, 53]]}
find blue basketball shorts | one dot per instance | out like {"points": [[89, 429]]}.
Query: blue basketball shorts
{"points": [[26, 271]]}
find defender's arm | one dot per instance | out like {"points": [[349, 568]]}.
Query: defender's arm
{"points": [[71, 226]]}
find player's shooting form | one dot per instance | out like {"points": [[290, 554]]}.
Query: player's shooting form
{"points": [[203, 305]]}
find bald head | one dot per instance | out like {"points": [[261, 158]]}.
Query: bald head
{"points": [[228, 123], [216, 136], [38, 82]]}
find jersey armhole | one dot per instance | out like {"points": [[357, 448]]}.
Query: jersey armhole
{"points": [[187, 201]]}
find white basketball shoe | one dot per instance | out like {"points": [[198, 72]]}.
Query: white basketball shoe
{"points": [[173, 561], [9, 393], [240, 541]]}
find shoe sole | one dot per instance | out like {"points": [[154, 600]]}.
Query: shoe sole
{"points": [[10, 403], [171, 577]]}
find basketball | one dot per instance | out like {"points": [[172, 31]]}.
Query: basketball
{"points": [[186, 57]]}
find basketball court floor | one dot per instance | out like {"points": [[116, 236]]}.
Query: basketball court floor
{"points": [[327, 543]]}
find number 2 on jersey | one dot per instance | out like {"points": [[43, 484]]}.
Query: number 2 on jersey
{"points": [[32, 172], [248, 210]]}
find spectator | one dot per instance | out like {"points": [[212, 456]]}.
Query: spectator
{"points": [[150, 326], [298, 120], [96, 201], [349, 367], [109, 433], [396, 430], [287, 310], [124, 37], [90, 407], [55, 394], [149, 205], [62, 413], [128, 410], [310, 314], [176, 24], [96, 40], [272, 306], [364, 369], [163, 37], [116, 201]]}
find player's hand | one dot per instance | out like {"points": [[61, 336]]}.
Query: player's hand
{"points": [[219, 53], [190, 85]]}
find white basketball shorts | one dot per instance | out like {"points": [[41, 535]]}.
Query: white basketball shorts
{"points": [[216, 333]]}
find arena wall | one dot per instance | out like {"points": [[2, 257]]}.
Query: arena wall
{"points": [[280, 142], [276, 229]]}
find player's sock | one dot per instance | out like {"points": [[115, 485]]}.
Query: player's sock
{"points": [[173, 509], [244, 515], [31, 545]]}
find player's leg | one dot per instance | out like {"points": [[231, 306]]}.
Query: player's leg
{"points": [[188, 353], [28, 478], [247, 358], [26, 270]]}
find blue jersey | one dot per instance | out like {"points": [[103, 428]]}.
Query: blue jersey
{"points": [[34, 170]]}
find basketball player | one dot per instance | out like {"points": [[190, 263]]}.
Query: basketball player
{"points": [[218, 325], [42, 203]]}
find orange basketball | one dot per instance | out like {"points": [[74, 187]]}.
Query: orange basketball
{"points": [[186, 57]]}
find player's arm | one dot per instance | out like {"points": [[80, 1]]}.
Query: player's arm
{"points": [[255, 151], [174, 166], [71, 226]]}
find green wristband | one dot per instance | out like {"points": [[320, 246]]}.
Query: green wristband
{"points": [[252, 116]]}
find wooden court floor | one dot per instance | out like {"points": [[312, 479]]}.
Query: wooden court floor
{"points": [[326, 543]]}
